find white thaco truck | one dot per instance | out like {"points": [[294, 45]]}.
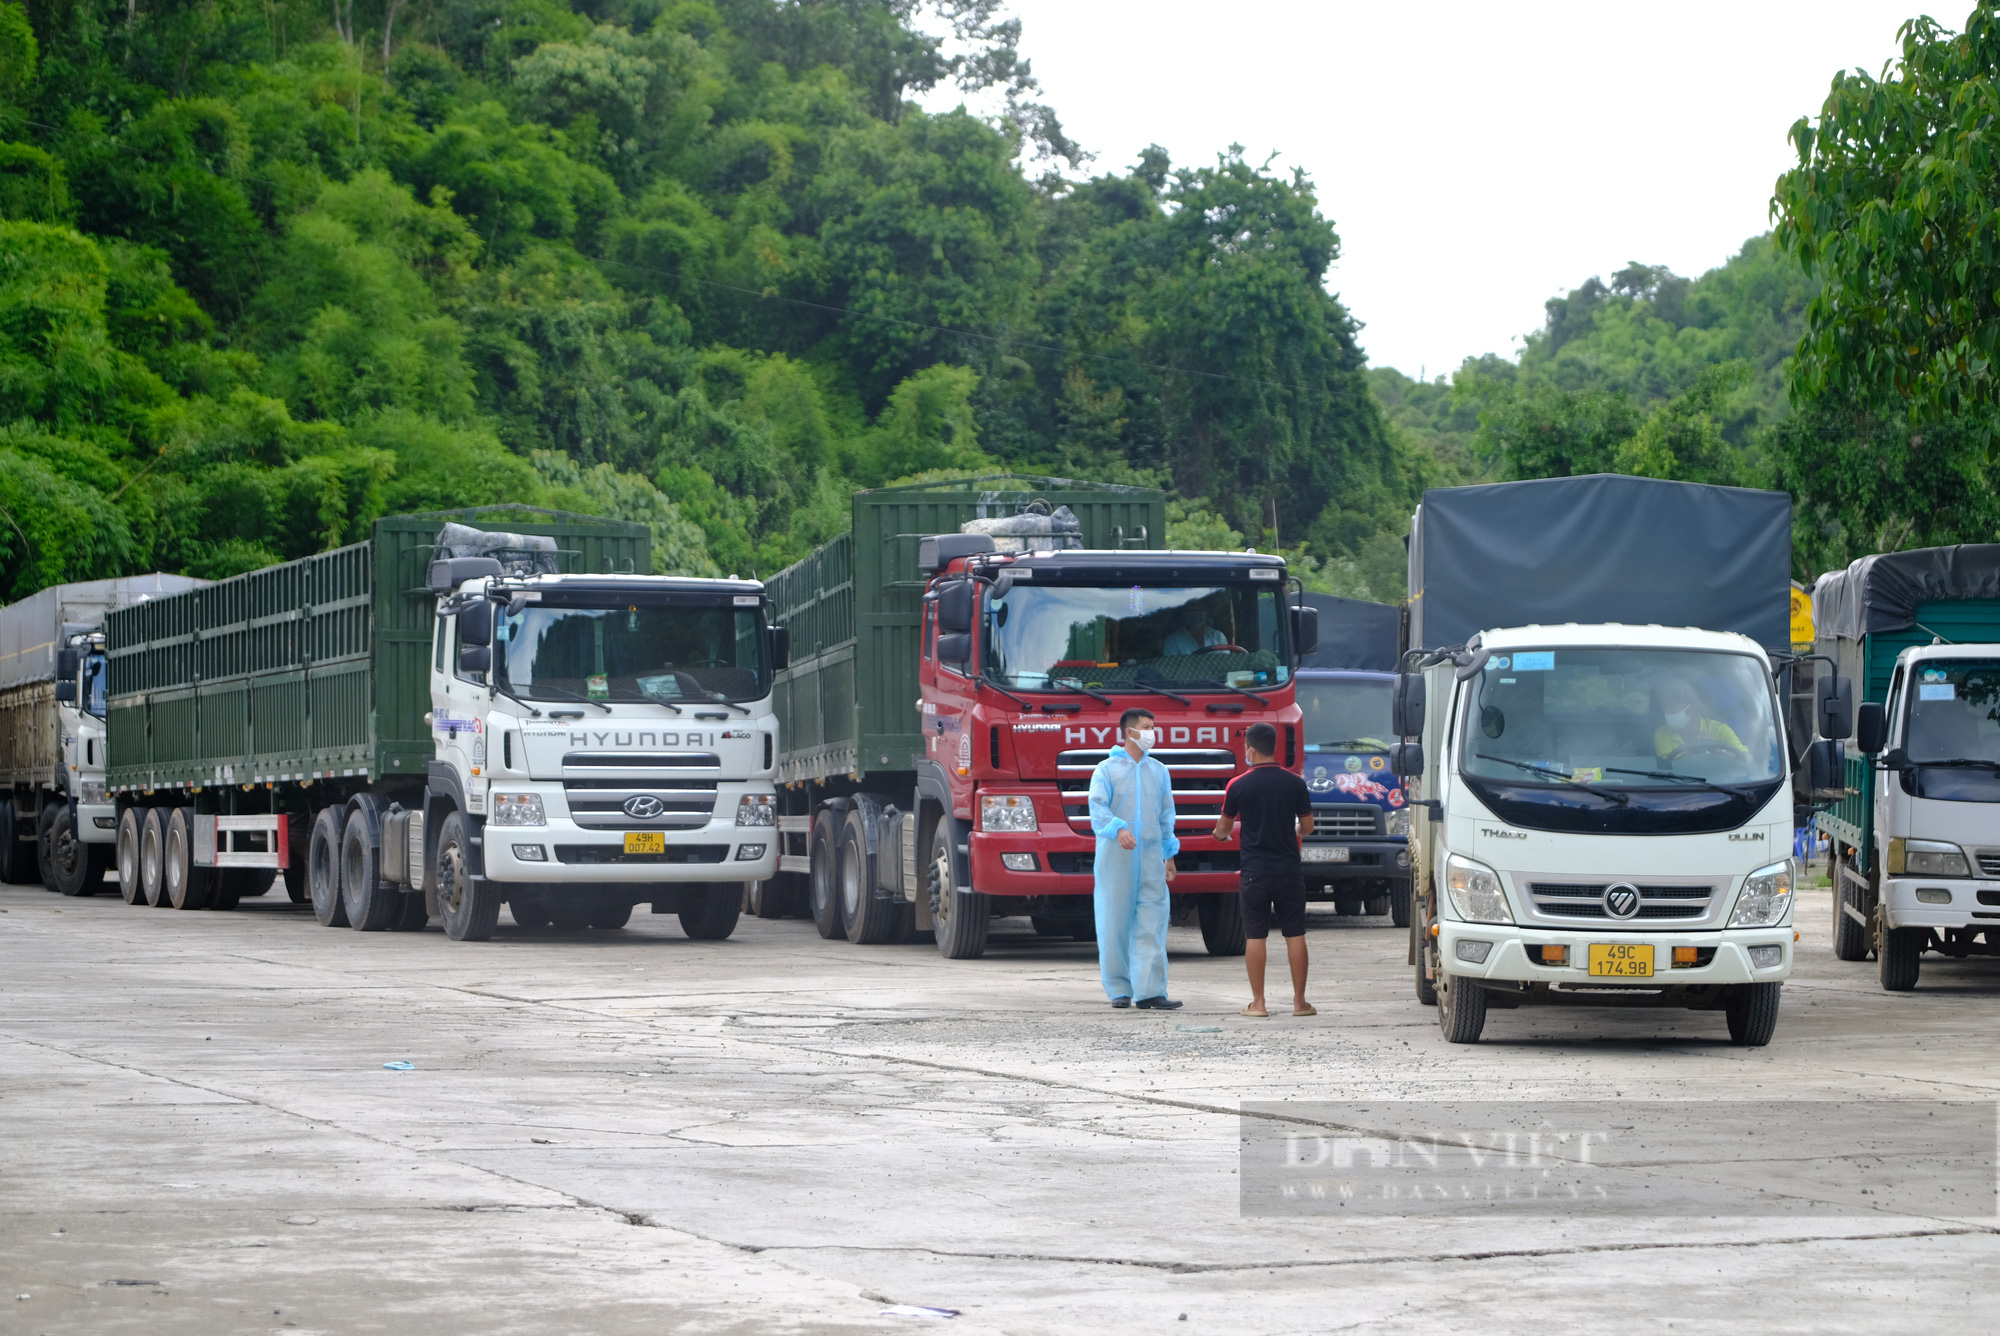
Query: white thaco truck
{"points": [[1598, 752]]}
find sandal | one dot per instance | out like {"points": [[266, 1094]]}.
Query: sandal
{"points": [[1305, 1009], [1253, 1011]]}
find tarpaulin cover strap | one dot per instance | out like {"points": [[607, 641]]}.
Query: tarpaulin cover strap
{"points": [[1601, 548], [1881, 593], [1353, 634]]}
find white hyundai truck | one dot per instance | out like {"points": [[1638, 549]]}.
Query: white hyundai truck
{"points": [[1600, 770]]}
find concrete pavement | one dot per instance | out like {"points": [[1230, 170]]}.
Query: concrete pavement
{"points": [[631, 1131]]}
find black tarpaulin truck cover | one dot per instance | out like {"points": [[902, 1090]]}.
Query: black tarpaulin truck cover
{"points": [[1354, 634], [1600, 548], [1881, 593]]}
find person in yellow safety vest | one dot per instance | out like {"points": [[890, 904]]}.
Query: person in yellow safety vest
{"points": [[1683, 726]]}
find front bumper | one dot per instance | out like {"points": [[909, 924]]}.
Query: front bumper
{"points": [[1064, 864], [1902, 909], [1367, 860], [1508, 959], [572, 853], [97, 823]]}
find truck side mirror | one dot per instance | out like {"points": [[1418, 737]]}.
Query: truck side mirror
{"points": [[781, 648], [1826, 768], [67, 662], [1305, 629], [475, 623], [955, 649], [1871, 727], [1835, 715], [66, 691], [1406, 708], [474, 659], [1407, 759], [954, 601]]}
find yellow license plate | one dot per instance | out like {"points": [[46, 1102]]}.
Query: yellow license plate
{"points": [[653, 842], [1615, 960]]}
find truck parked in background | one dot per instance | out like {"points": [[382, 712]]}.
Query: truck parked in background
{"points": [[55, 817], [444, 718], [1914, 841], [962, 657], [1358, 854], [1603, 782]]}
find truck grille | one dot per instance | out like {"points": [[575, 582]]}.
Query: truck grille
{"points": [[1343, 821], [1989, 862], [597, 786], [1199, 776], [1585, 900]]}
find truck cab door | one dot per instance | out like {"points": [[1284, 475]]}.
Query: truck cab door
{"points": [[459, 702]]}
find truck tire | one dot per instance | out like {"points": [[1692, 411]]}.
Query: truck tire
{"points": [[569, 913], [413, 915], [44, 832], [1752, 1014], [824, 857], [960, 922], [1399, 904], [1900, 958], [17, 856], [1420, 953], [1350, 908], [1850, 939], [870, 919], [226, 886], [721, 904], [127, 858], [247, 883], [529, 911], [187, 886], [470, 907], [612, 911], [766, 899], [1378, 906], [79, 868], [371, 906], [1221, 924], [152, 856], [323, 868], [298, 841], [1461, 1005]]}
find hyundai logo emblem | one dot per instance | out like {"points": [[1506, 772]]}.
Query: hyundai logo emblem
{"points": [[1621, 901], [643, 807]]}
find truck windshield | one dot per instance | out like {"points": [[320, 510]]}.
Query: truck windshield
{"points": [[1953, 708], [633, 652], [1617, 719], [1052, 637], [1346, 714], [93, 685]]}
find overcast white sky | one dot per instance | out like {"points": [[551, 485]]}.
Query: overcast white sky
{"points": [[1477, 158]]}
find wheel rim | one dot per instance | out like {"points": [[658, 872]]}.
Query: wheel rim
{"points": [[850, 886], [63, 853], [939, 888], [451, 887]]}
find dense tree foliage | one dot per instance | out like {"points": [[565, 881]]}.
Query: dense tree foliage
{"points": [[269, 270]]}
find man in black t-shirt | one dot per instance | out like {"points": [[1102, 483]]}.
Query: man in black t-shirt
{"points": [[1276, 810]]}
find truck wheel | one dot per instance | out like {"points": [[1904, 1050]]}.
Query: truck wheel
{"points": [[370, 905], [766, 899], [1461, 1009], [471, 909], [1399, 904], [610, 914], [413, 915], [78, 867], [1349, 908], [959, 921], [187, 886], [226, 886], [870, 919], [1420, 953], [247, 883], [128, 856], [1753, 1014], [1378, 906], [1900, 957], [323, 868], [152, 857], [44, 848], [824, 860], [569, 913], [1221, 924], [1850, 939], [721, 906], [529, 911]]}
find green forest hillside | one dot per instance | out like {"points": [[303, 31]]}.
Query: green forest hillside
{"points": [[269, 270]]}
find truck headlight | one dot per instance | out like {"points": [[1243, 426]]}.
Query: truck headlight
{"points": [[1007, 812], [1475, 891], [757, 809], [518, 809], [1927, 858], [1766, 897], [1397, 824], [93, 792]]}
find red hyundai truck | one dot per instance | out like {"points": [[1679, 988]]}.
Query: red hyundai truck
{"points": [[960, 661]]}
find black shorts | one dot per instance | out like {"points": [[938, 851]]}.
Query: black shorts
{"points": [[1280, 897]]}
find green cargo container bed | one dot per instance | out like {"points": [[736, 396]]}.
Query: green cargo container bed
{"points": [[317, 669], [847, 706]]}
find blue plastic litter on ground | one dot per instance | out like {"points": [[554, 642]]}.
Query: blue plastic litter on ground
{"points": [[399, 1066]]}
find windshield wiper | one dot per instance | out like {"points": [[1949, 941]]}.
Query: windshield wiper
{"points": [[581, 699], [1610, 795], [1148, 686], [1740, 790], [1963, 762], [1355, 744], [717, 698], [502, 691], [1238, 690], [980, 683]]}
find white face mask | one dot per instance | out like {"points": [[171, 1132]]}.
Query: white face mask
{"points": [[1145, 737], [1679, 719]]}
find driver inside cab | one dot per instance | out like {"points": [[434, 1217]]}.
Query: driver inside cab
{"points": [[1684, 724], [1195, 634]]}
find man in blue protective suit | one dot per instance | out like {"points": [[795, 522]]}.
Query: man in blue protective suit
{"points": [[1132, 815]]}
